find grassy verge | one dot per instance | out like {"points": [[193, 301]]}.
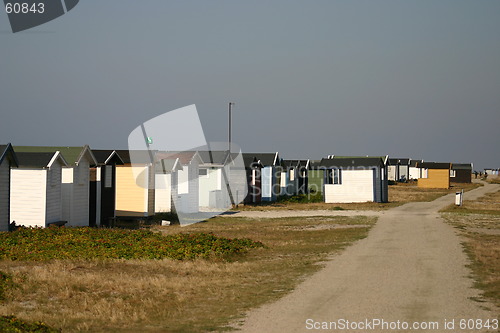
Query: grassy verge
{"points": [[479, 224], [165, 295], [399, 194], [92, 243], [493, 179]]}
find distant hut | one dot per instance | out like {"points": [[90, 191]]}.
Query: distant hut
{"points": [[461, 172], [355, 179], [434, 175]]}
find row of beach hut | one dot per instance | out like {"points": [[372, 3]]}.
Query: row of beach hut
{"points": [[80, 186]]}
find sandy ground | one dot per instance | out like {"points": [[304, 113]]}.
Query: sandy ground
{"points": [[411, 268]]}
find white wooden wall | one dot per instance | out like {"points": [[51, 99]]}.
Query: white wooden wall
{"points": [[4, 195], [67, 193], [357, 186], [28, 197], [163, 193], [98, 197], [392, 172], [183, 185], [414, 173], [81, 188], [194, 187], [210, 182], [54, 194], [267, 182]]}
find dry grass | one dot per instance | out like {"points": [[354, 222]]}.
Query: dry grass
{"points": [[479, 225], [493, 180], [399, 194], [317, 206], [178, 296], [488, 204]]}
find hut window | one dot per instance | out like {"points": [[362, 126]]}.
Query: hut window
{"points": [[203, 172], [292, 175], [453, 173], [254, 176], [108, 176]]}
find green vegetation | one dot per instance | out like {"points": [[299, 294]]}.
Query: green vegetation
{"points": [[199, 295], [11, 324], [302, 198], [5, 284], [91, 243]]}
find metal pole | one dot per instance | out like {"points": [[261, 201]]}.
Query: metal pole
{"points": [[230, 124]]}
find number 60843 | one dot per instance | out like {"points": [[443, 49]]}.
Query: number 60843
{"points": [[25, 8]]}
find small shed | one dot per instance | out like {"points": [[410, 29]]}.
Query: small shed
{"points": [[8, 160], [398, 169], [270, 174], [294, 177], [461, 173], [355, 179], [36, 191], [75, 181], [103, 187], [434, 175], [414, 172]]}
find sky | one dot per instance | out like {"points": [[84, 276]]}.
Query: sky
{"points": [[310, 78]]}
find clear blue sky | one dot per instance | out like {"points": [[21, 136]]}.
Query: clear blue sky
{"points": [[416, 79]]}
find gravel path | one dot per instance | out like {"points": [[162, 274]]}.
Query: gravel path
{"points": [[411, 268]]}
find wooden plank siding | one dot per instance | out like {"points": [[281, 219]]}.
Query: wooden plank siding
{"points": [[163, 194], [81, 188], [357, 186], [4, 195], [316, 180], [436, 178], [28, 197], [131, 199], [54, 193]]}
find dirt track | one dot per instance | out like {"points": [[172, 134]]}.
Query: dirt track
{"points": [[411, 268]]}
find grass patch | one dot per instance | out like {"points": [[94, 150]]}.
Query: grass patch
{"points": [[11, 324], [488, 204], [493, 180], [479, 225], [93, 243], [139, 295]]}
